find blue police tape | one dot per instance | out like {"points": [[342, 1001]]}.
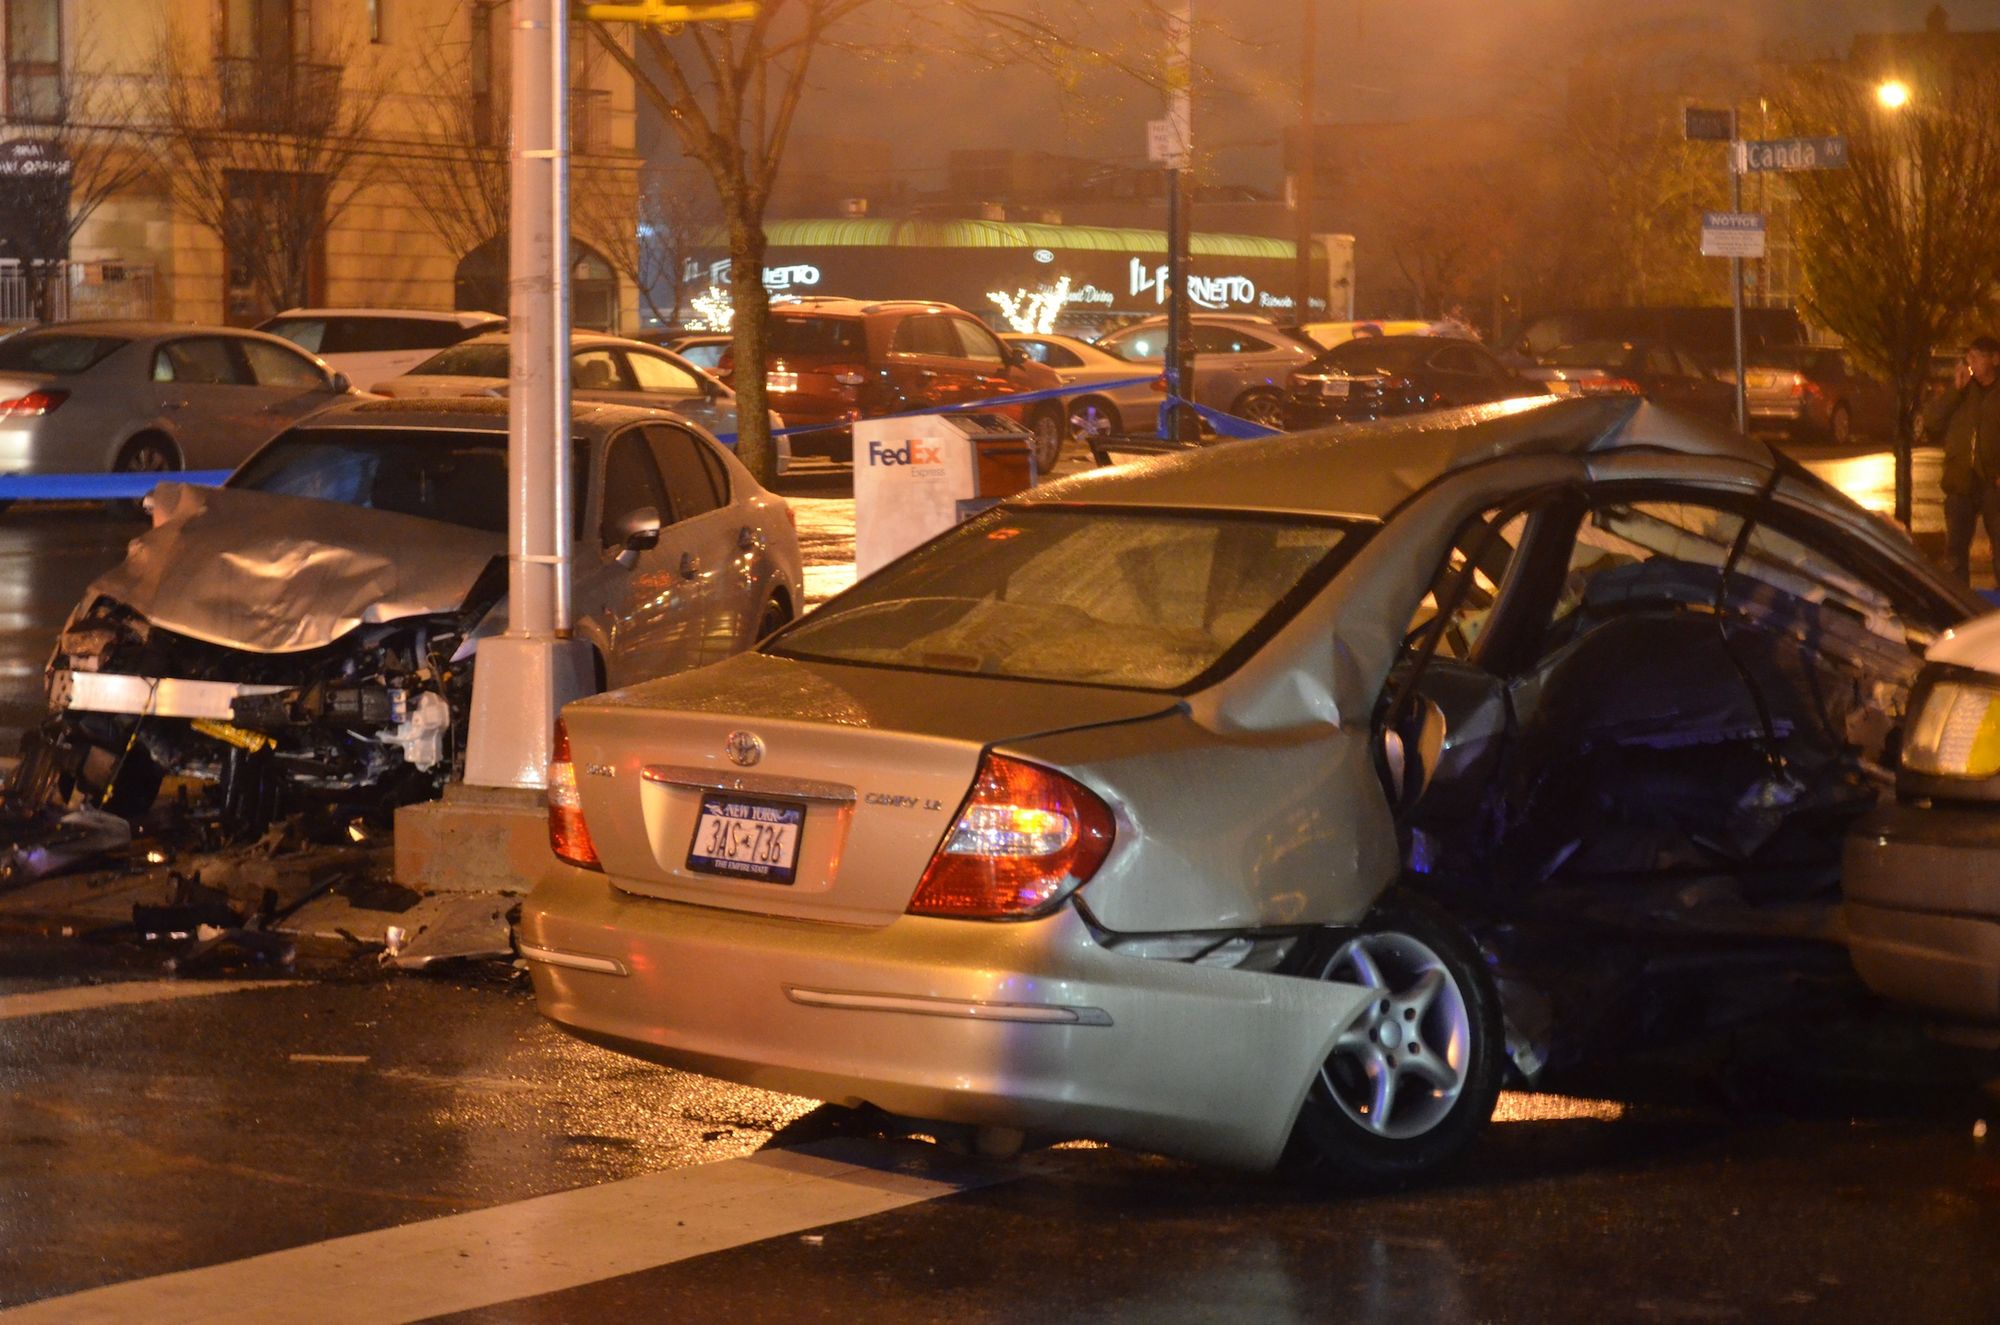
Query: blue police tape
{"points": [[100, 487], [130, 487], [968, 407]]}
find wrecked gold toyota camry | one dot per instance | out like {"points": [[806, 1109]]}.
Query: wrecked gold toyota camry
{"points": [[1276, 800], [303, 636]]}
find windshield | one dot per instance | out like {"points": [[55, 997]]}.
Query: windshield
{"points": [[1590, 354], [438, 474], [818, 335], [1135, 599], [55, 352], [1371, 355], [465, 361]]}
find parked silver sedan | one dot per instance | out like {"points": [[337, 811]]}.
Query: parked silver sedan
{"points": [[83, 397], [1362, 768], [1097, 414], [608, 369], [307, 632], [1241, 364]]}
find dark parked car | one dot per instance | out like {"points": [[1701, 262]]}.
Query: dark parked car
{"points": [[1707, 333], [1662, 373], [1816, 395], [834, 361], [1375, 377]]}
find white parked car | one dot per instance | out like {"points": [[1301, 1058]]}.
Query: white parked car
{"points": [[1097, 414], [369, 344]]}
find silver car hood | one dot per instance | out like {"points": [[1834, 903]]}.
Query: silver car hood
{"points": [[276, 574]]}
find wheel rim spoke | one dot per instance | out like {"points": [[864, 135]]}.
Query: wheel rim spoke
{"points": [[1413, 1029], [1382, 1081], [1421, 995], [1364, 965]]}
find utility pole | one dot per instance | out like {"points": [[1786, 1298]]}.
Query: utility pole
{"points": [[1302, 168], [1180, 120], [528, 672]]}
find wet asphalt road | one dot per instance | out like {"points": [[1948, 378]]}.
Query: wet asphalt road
{"points": [[167, 1136]]}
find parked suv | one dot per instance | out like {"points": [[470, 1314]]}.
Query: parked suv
{"points": [[373, 344], [1241, 362], [833, 361]]}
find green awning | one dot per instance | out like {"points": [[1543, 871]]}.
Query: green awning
{"points": [[877, 233]]}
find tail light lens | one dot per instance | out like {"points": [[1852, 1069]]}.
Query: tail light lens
{"points": [[33, 405], [569, 835], [1026, 838], [1608, 386], [1159, 384]]}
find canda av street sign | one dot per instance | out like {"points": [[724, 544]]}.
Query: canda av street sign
{"points": [[1786, 154]]}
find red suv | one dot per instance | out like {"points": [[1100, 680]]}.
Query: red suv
{"points": [[833, 361]]}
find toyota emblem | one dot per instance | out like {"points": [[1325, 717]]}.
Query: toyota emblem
{"points": [[743, 748]]}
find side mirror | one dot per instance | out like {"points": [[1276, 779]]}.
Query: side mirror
{"points": [[340, 385], [641, 531], [1014, 354]]}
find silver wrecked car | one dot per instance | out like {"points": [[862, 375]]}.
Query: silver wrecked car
{"points": [[1359, 770], [306, 633]]}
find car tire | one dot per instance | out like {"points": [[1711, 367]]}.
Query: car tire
{"points": [[1840, 426], [776, 616], [1093, 418], [1046, 424], [1355, 1129], [1261, 407], [148, 453]]}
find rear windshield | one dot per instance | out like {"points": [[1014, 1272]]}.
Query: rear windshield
{"points": [[55, 351], [1590, 354], [1111, 597], [465, 361], [1370, 355], [457, 477], [818, 335]]}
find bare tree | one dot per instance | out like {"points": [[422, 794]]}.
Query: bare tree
{"points": [[1896, 249], [82, 154], [266, 154], [731, 93]]}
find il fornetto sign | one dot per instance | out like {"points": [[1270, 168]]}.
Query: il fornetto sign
{"points": [[1101, 282]]}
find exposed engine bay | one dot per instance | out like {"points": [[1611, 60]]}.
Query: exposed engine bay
{"points": [[358, 726]]}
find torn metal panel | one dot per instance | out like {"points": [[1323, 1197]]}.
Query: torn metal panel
{"points": [[285, 574]]}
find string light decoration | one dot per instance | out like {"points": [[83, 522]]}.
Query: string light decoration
{"points": [[1033, 312], [713, 310]]}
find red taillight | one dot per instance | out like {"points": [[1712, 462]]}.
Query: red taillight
{"points": [[1159, 384], [1609, 386], [569, 835], [33, 405], [1026, 838]]}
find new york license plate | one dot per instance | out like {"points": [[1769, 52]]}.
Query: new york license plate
{"points": [[746, 837]]}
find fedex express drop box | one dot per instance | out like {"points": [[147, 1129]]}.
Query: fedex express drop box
{"points": [[917, 476]]}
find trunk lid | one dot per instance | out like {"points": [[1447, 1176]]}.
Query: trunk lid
{"points": [[873, 762]]}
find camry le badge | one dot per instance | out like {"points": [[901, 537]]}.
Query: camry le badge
{"points": [[743, 748]]}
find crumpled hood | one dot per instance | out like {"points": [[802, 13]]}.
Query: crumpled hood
{"points": [[277, 574]]}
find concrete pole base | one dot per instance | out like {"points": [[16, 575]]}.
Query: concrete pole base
{"points": [[475, 840]]}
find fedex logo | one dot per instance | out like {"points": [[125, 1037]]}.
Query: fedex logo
{"points": [[909, 453]]}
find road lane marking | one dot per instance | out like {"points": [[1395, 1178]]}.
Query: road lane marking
{"points": [[327, 1058], [534, 1247], [83, 998]]}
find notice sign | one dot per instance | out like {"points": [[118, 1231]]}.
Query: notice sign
{"points": [[1732, 235]]}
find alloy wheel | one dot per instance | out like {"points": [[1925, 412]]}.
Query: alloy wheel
{"points": [[1401, 1066]]}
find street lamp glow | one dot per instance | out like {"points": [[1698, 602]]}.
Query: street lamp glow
{"points": [[1893, 94]]}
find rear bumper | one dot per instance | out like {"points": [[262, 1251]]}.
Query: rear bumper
{"points": [[1922, 908], [1034, 1026]]}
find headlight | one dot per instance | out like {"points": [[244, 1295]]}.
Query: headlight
{"points": [[1956, 733]]}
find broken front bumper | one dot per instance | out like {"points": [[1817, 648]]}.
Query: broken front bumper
{"points": [[1034, 1026], [1922, 887], [148, 696]]}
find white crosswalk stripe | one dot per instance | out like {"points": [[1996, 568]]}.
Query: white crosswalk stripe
{"points": [[83, 998], [533, 1247]]}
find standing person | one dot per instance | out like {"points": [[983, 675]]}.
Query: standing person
{"points": [[1967, 420]]}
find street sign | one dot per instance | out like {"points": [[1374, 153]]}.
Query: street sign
{"points": [[1708, 126], [1732, 235], [1788, 154], [1166, 143]]}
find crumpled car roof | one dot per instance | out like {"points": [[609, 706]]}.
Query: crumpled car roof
{"points": [[1369, 469]]}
